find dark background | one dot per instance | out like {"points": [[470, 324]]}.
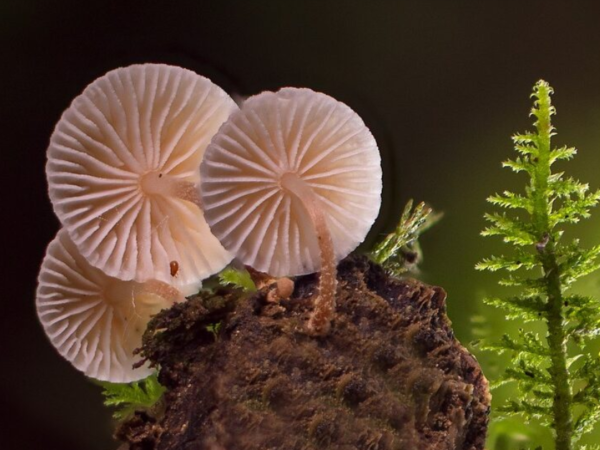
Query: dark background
{"points": [[442, 85]]}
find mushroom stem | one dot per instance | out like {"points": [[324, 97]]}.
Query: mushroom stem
{"points": [[188, 191], [161, 289], [323, 312], [147, 300], [156, 183]]}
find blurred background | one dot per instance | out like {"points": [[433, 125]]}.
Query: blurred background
{"points": [[442, 85]]}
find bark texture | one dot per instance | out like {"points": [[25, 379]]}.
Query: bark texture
{"points": [[389, 375]]}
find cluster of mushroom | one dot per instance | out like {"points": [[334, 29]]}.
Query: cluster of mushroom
{"points": [[122, 171], [159, 180]]}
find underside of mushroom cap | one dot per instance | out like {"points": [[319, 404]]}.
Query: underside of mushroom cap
{"points": [[118, 162], [310, 136], [93, 320]]}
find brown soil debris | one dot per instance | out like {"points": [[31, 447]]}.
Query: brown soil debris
{"points": [[389, 376]]}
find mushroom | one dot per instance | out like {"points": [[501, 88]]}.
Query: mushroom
{"points": [[291, 184], [96, 321], [123, 173]]}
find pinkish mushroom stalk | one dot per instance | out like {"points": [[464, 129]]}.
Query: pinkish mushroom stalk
{"points": [[320, 319], [161, 289], [158, 183]]}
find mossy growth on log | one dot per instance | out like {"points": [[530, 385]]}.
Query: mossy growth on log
{"points": [[389, 376]]}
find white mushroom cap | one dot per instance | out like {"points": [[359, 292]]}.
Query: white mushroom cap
{"points": [[302, 132], [94, 321], [120, 160]]}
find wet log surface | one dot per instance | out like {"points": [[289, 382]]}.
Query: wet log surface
{"points": [[389, 376]]}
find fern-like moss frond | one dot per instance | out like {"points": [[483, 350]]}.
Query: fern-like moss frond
{"points": [[519, 307], [551, 380], [399, 251], [519, 165], [130, 397], [240, 279], [511, 200]]}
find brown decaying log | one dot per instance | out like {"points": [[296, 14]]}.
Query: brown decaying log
{"points": [[389, 375]]}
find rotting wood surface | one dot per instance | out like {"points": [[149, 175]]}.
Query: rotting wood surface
{"points": [[389, 376]]}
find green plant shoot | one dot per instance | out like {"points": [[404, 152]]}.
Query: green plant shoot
{"points": [[214, 328], [399, 251], [240, 279], [130, 397], [559, 383]]}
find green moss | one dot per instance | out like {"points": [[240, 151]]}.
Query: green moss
{"points": [[553, 389], [399, 251], [238, 278], [130, 397]]}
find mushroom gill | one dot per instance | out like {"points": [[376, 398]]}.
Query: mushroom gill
{"points": [[96, 321]]}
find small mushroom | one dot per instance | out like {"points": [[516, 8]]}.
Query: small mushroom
{"points": [[291, 184], [96, 321], [123, 173]]}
